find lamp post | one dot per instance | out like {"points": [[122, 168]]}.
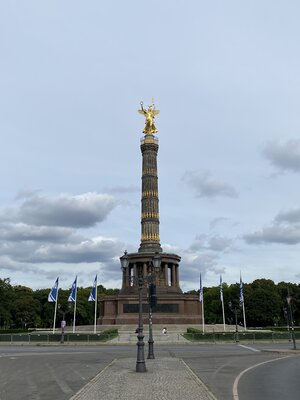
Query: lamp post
{"points": [[63, 323], [291, 318], [155, 263], [233, 308]]}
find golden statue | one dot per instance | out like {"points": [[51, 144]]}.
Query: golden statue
{"points": [[149, 114]]}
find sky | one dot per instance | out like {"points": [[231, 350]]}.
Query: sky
{"points": [[225, 77]]}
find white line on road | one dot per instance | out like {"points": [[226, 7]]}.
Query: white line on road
{"points": [[236, 382], [248, 347], [65, 388]]}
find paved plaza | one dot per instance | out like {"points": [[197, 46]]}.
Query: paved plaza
{"points": [[166, 379]]}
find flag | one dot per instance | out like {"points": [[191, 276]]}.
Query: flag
{"points": [[221, 289], [93, 294], [72, 296], [52, 297], [201, 291], [241, 291]]}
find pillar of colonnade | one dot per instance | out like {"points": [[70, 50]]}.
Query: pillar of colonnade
{"points": [[169, 275]]}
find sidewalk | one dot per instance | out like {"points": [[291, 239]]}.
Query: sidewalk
{"points": [[165, 379]]}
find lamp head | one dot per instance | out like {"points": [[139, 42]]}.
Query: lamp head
{"points": [[124, 261], [156, 261]]}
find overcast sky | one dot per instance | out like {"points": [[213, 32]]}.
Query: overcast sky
{"points": [[225, 76]]}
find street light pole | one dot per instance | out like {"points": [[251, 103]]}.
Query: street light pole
{"points": [[291, 318], [63, 324], [150, 281], [140, 361], [150, 341], [235, 310], [156, 261]]}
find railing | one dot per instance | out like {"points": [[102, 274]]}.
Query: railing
{"points": [[56, 337], [214, 337], [149, 139]]}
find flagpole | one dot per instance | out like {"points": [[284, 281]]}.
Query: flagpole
{"points": [[53, 297], [203, 323], [95, 317], [75, 302], [74, 315], [222, 301], [242, 300], [244, 316], [201, 298], [223, 315], [55, 311]]}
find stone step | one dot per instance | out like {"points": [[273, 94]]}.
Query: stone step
{"points": [[124, 337]]}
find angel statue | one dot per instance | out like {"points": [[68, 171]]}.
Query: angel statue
{"points": [[149, 114]]}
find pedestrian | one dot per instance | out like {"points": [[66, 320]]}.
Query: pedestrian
{"points": [[164, 331]]}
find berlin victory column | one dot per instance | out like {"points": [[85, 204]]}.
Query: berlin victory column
{"points": [[150, 263]]}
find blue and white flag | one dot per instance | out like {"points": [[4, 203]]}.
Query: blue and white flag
{"points": [[93, 294], [201, 291], [52, 297], [73, 294], [241, 291], [221, 289]]}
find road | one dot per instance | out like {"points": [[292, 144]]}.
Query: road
{"points": [[44, 373], [278, 379]]}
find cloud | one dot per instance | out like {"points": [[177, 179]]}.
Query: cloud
{"points": [[284, 229], [284, 155], [79, 211], [42, 232], [23, 232], [123, 189], [214, 243], [193, 263], [206, 185], [217, 221], [195, 260], [275, 233], [291, 216], [87, 250]]}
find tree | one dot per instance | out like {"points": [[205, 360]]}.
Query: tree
{"points": [[6, 301], [27, 310], [264, 305]]}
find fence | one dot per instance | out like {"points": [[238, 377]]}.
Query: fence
{"points": [[250, 337], [57, 338]]}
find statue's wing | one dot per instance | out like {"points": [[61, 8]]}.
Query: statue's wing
{"points": [[156, 112]]}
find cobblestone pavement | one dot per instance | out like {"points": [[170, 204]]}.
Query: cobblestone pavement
{"points": [[165, 379]]}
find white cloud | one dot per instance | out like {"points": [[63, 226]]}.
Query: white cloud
{"points": [[66, 210], [206, 185], [291, 216], [275, 233], [284, 154], [284, 229], [24, 232], [214, 243]]}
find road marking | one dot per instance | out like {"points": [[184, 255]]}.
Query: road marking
{"points": [[236, 382], [65, 388], [248, 347]]}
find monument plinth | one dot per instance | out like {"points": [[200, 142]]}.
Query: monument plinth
{"points": [[173, 306]]}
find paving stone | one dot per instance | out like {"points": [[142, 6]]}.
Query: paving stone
{"points": [[165, 379]]}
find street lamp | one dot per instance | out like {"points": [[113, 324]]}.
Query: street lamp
{"points": [[140, 361], [291, 318], [63, 323], [156, 261], [233, 308]]}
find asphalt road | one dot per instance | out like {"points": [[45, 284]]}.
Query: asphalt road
{"points": [[274, 380], [47, 373]]}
